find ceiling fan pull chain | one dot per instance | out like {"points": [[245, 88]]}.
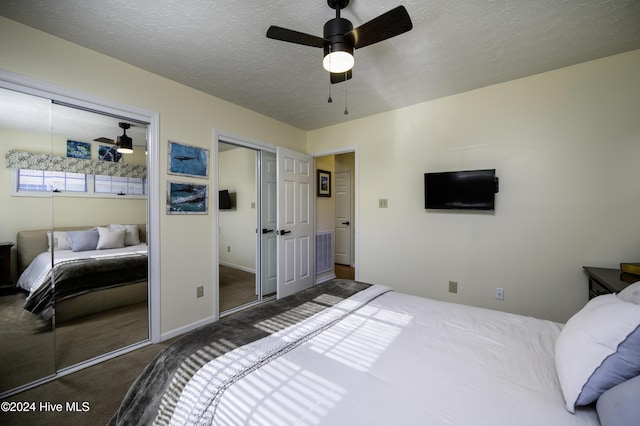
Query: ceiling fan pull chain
{"points": [[329, 100], [346, 111]]}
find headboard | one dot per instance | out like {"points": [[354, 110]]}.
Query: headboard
{"points": [[31, 243]]}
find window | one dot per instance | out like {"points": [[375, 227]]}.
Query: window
{"points": [[46, 181], [118, 185], [80, 184]]}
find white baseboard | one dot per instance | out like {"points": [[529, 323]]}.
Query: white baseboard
{"points": [[240, 267], [185, 329], [325, 277]]}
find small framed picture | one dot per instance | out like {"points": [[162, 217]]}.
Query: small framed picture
{"points": [[108, 153], [324, 183], [187, 198], [77, 149], [187, 160]]}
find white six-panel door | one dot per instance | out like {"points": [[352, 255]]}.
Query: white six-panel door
{"points": [[296, 247], [269, 208], [343, 218]]}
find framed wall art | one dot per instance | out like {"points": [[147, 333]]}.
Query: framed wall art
{"points": [[108, 153], [77, 149], [324, 183], [187, 198], [187, 160]]}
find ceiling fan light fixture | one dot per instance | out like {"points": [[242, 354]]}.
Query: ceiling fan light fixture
{"points": [[125, 143], [338, 61]]}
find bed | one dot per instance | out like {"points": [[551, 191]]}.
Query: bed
{"points": [[94, 268], [346, 352]]}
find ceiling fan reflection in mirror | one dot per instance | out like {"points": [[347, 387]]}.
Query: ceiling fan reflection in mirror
{"points": [[124, 143], [340, 38]]}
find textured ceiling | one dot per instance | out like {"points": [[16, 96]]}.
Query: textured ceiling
{"points": [[220, 47]]}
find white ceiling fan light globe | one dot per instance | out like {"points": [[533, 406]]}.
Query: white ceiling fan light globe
{"points": [[337, 62]]}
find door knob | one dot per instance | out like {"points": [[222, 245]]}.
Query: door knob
{"points": [[266, 231], [283, 232], [345, 223]]}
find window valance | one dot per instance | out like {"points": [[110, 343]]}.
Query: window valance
{"points": [[48, 162]]}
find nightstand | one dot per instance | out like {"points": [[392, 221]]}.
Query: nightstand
{"points": [[604, 281], [5, 268]]}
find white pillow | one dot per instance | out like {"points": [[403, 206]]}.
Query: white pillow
{"points": [[131, 237], [597, 349], [631, 293], [110, 238], [60, 240]]}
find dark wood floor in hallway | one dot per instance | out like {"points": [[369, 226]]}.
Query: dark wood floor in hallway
{"points": [[345, 272]]}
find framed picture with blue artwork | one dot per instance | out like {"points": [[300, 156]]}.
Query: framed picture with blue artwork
{"points": [[108, 153], [188, 160], [77, 149], [187, 198]]}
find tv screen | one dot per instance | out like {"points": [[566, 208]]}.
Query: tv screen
{"points": [[224, 200], [462, 190]]}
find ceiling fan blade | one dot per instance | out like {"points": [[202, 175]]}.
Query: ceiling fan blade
{"points": [[105, 140], [291, 36], [339, 77], [389, 24]]}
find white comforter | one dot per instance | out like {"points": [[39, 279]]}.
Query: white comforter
{"points": [[39, 269], [396, 360]]}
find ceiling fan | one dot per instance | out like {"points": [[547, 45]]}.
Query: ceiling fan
{"points": [[124, 143], [340, 38]]}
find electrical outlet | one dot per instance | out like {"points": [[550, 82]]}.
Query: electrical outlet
{"points": [[453, 286], [499, 293], [383, 203], [199, 291]]}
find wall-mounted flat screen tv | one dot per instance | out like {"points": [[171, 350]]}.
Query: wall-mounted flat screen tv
{"points": [[461, 190], [224, 200]]}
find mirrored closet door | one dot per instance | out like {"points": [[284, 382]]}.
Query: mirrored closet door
{"points": [[27, 341], [75, 210], [246, 225], [101, 283]]}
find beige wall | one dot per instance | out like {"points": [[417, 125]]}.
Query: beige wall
{"points": [[566, 146], [187, 242]]}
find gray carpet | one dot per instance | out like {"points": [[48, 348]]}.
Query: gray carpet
{"points": [[30, 350], [102, 387], [236, 287], [26, 344]]}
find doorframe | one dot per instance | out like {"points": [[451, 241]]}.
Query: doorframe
{"points": [[356, 229], [244, 142]]}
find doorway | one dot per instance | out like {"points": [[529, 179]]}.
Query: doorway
{"points": [[336, 215]]}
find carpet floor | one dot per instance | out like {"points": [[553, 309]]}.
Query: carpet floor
{"points": [[97, 392], [237, 287]]}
